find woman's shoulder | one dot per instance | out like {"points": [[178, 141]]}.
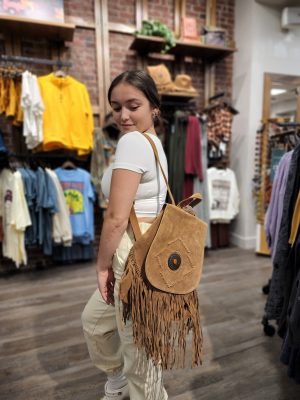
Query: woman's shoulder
{"points": [[131, 136], [134, 139]]}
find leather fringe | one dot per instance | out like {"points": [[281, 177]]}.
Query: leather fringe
{"points": [[161, 321]]}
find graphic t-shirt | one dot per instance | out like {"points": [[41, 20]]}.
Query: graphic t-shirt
{"points": [[15, 216], [79, 194], [223, 194]]}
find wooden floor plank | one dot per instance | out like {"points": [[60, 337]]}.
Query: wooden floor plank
{"points": [[43, 354]]}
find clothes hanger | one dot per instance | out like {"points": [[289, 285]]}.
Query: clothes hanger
{"points": [[60, 72], [68, 164]]}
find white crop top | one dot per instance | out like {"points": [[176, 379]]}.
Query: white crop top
{"points": [[135, 153]]}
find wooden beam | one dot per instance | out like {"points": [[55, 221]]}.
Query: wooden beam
{"points": [[266, 109], [179, 13], [209, 82], [145, 9], [211, 13], [96, 109], [141, 12], [80, 22], [121, 28], [209, 69], [177, 18], [138, 13], [102, 55]]}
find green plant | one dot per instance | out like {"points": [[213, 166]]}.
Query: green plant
{"points": [[156, 28]]}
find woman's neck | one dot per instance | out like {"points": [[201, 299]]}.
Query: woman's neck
{"points": [[150, 130]]}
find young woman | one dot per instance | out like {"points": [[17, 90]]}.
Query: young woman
{"points": [[133, 177]]}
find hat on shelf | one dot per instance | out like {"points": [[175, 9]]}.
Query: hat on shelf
{"points": [[183, 83], [162, 78]]}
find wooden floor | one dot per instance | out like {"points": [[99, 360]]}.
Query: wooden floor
{"points": [[43, 355]]}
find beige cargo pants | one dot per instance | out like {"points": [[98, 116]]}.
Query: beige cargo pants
{"points": [[110, 342]]}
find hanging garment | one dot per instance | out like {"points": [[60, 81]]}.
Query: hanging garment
{"points": [[274, 211], [176, 155], [68, 117], [79, 194], [33, 108], [15, 216], [12, 96], [30, 187], [291, 270], [46, 206], [98, 164], [219, 124], [193, 157], [224, 195], [290, 352], [202, 187], [74, 253], [3, 148], [18, 117], [295, 221], [275, 298], [4, 93], [61, 229], [193, 162]]}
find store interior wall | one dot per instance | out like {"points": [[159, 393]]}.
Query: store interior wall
{"points": [[262, 47], [82, 53]]}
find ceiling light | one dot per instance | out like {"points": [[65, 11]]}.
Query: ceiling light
{"points": [[275, 91]]}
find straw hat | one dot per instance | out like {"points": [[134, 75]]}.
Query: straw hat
{"points": [[162, 78], [184, 84]]}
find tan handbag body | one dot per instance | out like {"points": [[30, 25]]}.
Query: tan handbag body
{"points": [[158, 289]]}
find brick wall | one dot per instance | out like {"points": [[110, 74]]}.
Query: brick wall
{"points": [[163, 10], [225, 19], [122, 11], [82, 52]]}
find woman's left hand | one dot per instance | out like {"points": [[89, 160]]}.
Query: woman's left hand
{"points": [[106, 284]]}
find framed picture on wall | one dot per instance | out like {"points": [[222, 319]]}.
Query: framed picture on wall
{"points": [[42, 10], [189, 28]]}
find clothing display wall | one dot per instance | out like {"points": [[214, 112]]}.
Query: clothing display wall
{"points": [[55, 110], [51, 113], [46, 209]]}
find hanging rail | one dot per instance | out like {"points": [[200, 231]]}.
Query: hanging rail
{"points": [[33, 60]]}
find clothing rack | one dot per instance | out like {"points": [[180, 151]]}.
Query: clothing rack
{"points": [[33, 60], [47, 155], [292, 132]]}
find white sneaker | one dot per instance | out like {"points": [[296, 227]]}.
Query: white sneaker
{"points": [[120, 394]]}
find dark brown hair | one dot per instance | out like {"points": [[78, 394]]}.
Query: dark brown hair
{"points": [[140, 80]]}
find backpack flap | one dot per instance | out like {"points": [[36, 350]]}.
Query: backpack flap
{"points": [[175, 259]]}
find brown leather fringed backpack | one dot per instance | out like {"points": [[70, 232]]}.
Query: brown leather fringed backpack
{"points": [[158, 289]]}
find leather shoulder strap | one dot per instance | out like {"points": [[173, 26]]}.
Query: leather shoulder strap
{"points": [[192, 201], [133, 218], [161, 168]]}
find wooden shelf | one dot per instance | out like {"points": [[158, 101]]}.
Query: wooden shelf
{"points": [[153, 44], [37, 28]]}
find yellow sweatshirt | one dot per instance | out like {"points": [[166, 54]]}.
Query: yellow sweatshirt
{"points": [[12, 99], [68, 118]]}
